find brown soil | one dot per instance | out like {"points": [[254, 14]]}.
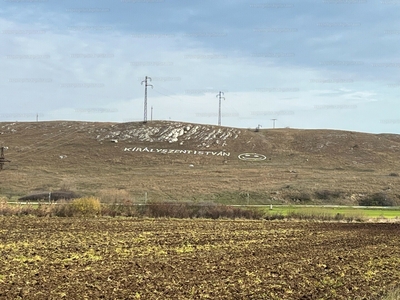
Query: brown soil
{"points": [[98, 258]]}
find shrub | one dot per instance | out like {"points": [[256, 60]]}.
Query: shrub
{"points": [[113, 196], [23, 210], [62, 209], [200, 210], [86, 206], [300, 197], [126, 208], [377, 199], [54, 196], [394, 174], [327, 194]]}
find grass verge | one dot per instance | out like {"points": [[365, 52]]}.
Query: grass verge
{"points": [[330, 212]]}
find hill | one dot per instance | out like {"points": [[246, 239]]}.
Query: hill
{"points": [[175, 160]]}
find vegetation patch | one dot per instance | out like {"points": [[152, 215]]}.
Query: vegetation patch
{"points": [[87, 206], [300, 197], [377, 199], [50, 196], [328, 194]]}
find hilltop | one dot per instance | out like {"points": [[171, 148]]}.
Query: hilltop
{"points": [[176, 160]]}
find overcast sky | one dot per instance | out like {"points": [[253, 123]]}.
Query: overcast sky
{"points": [[330, 64]]}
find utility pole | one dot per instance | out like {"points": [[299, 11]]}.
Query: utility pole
{"points": [[219, 111], [145, 96], [151, 115], [3, 160], [273, 120], [37, 117]]}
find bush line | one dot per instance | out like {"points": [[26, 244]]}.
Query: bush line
{"points": [[91, 207]]}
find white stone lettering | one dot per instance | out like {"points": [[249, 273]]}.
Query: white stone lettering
{"points": [[176, 151]]}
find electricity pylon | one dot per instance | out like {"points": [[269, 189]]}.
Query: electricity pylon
{"points": [[145, 96], [219, 111]]}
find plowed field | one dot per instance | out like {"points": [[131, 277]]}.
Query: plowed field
{"points": [[99, 258]]}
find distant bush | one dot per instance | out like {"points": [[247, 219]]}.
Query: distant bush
{"points": [[394, 174], [300, 197], [113, 196], [23, 210], [327, 194], [86, 206], [377, 199], [91, 206], [126, 208], [54, 196], [179, 210], [202, 210]]}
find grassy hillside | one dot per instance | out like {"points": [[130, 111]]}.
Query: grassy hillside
{"points": [[174, 160]]}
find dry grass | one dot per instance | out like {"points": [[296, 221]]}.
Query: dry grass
{"points": [[114, 196], [299, 162], [91, 207], [393, 295]]}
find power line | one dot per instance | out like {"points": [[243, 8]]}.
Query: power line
{"points": [[175, 98], [145, 96], [166, 95]]}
